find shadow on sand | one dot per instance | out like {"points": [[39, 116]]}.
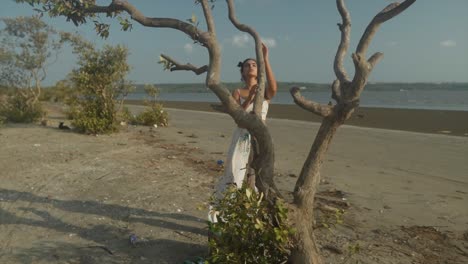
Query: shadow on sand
{"points": [[107, 243]]}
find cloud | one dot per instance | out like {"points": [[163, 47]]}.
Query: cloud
{"points": [[448, 43], [240, 40], [392, 43], [269, 42], [243, 40], [188, 48]]}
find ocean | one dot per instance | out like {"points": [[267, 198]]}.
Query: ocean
{"points": [[409, 97]]}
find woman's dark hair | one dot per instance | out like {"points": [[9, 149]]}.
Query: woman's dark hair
{"points": [[241, 65]]}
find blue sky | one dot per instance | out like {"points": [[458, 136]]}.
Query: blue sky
{"points": [[426, 43]]}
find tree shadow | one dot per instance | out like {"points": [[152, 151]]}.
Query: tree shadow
{"points": [[117, 247], [156, 251], [113, 211]]}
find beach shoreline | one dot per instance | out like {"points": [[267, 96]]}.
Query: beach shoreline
{"points": [[448, 122]]}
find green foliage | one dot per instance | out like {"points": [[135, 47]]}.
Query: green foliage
{"points": [[75, 11], [21, 108], [354, 248], [27, 47], [125, 115], [330, 219], [97, 86], [92, 121], [154, 113], [249, 229], [167, 64]]}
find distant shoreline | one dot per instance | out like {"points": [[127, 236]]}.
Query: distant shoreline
{"points": [[446, 122]]}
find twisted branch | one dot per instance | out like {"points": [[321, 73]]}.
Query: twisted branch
{"points": [[336, 91], [364, 66], [374, 59], [185, 67], [316, 108], [387, 13], [137, 15], [210, 24], [260, 96], [345, 28]]}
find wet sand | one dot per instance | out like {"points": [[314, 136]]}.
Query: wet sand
{"points": [[415, 120]]}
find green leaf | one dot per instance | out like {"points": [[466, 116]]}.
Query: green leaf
{"points": [[248, 192], [192, 19]]}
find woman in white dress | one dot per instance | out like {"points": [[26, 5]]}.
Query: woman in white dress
{"points": [[239, 150]]}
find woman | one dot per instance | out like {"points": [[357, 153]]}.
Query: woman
{"points": [[239, 150]]}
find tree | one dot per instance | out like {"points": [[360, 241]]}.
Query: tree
{"points": [[98, 83], [345, 92], [28, 46]]}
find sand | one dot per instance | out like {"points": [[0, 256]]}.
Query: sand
{"points": [[70, 198], [447, 122]]}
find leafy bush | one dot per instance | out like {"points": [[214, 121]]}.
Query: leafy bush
{"points": [[98, 83], [94, 119], [154, 115], [249, 229], [21, 108], [126, 116]]}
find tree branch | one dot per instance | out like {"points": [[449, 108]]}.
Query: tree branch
{"points": [[208, 17], [260, 96], [336, 91], [123, 5], [176, 66], [374, 59], [316, 108], [387, 13], [362, 66], [345, 29]]}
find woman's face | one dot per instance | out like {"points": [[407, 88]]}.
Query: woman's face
{"points": [[249, 69]]}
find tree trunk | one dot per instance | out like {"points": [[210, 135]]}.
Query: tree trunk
{"points": [[37, 85], [304, 193]]}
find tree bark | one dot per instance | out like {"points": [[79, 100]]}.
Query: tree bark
{"points": [[305, 190]]}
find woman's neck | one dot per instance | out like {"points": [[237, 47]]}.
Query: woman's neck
{"points": [[250, 82]]}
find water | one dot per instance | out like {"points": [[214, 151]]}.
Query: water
{"points": [[439, 99]]}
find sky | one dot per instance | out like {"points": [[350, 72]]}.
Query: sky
{"points": [[426, 43]]}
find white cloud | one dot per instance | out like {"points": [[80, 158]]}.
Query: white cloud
{"points": [[392, 43], [243, 40], [269, 42], [188, 48], [448, 43], [240, 40]]}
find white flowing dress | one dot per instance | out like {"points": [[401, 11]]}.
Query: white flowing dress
{"points": [[238, 156]]}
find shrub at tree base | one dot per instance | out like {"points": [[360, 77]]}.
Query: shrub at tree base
{"points": [[125, 115], [154, 115], [93, 121], [20, 108], [249, 229]]}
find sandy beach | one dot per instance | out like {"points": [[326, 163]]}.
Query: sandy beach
{"points": [[70, 198], [415, 120]]}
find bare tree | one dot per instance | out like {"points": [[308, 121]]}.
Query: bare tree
{"points": [[30, 46], [345, 92]]}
